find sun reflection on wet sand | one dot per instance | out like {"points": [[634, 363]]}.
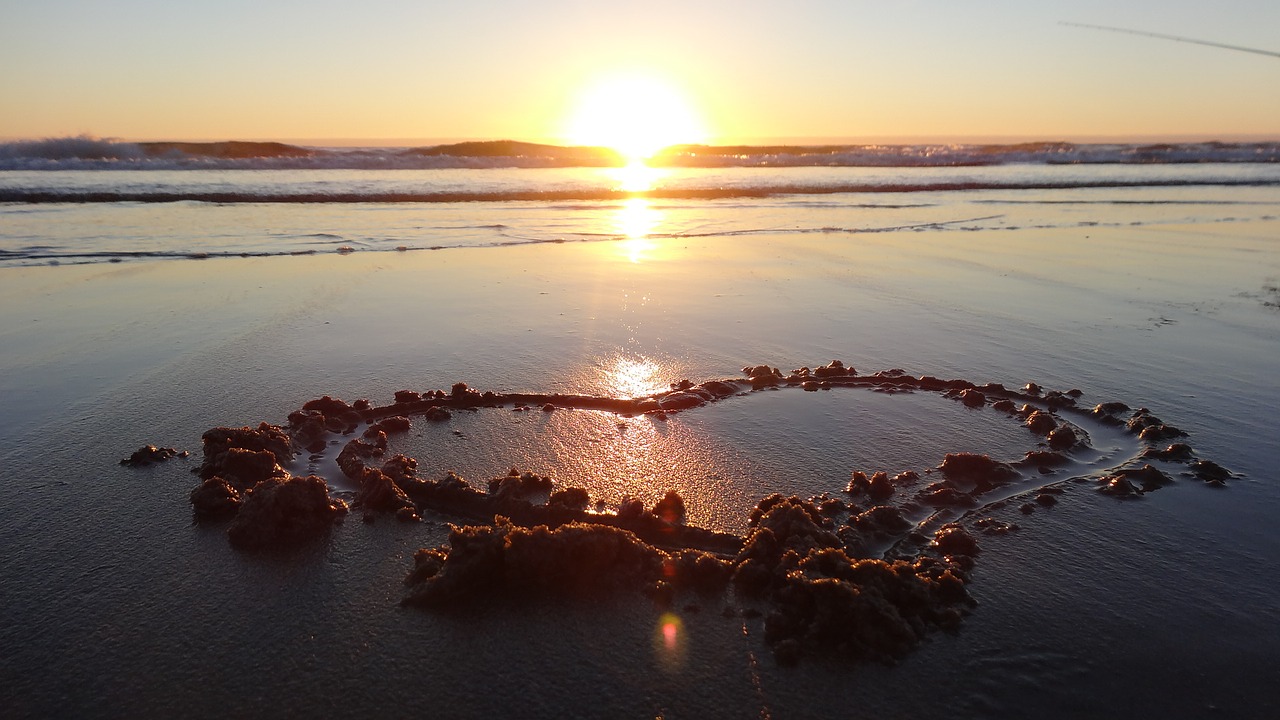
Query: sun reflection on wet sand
{"points": [[628, 456], [629, 377], [641, 456], [636, 221]]}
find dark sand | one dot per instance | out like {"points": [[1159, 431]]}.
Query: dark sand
{"points": [[117, 605]]}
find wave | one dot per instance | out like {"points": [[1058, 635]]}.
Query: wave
{"points": [[585, 194], [963, 155], [331, 244], [85, 152]]}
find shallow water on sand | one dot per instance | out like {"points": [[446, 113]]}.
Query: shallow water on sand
{"points": [[721, 459], [220, 213], [118, 606]]}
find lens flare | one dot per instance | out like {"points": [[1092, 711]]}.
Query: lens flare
{"points": [[669, 641], [670, 634]]}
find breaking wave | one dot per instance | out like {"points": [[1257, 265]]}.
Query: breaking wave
{"points": [[85, 152]]}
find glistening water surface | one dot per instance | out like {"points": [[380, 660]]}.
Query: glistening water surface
{"points": [[119, 606]]}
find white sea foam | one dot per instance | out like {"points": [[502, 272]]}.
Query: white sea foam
{"points": [[85, 152], [77, 216]]}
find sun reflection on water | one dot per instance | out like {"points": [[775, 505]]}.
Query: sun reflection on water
{"points": [[636, 176], [636, 221], [629, 377]]}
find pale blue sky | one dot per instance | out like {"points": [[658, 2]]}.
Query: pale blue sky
{"points": [[264, 69]]}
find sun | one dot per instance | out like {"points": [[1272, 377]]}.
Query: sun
{"points": [[635, 114]]}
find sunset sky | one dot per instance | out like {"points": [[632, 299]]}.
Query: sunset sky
{"points": [[749, 70]]}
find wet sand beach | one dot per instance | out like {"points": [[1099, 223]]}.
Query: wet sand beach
{"points": [[117, 604]]}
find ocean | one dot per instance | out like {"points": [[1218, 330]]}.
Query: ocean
{"points": [[150, 292], [378, 199]]}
